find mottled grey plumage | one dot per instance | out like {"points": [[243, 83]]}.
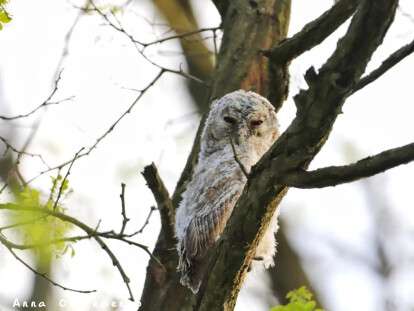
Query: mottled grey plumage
{"points": [[249, 121]]}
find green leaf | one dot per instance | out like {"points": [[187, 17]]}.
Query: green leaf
{"points": [[299, 300], [40, 228], [4, 17]]}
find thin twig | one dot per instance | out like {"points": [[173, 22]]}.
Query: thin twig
{"points": [[125, 219], [182, 35], [9, 146], [91, 233], [23, 247], [45, 103], [106, 133], [62, 184], [88, 230], [5, 242], [236, 158], [68, 37], [140, 47], [145, 224]]}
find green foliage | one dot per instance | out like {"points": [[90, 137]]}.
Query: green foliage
{"points": [[299, 300], [40, 229], [4, 15]]}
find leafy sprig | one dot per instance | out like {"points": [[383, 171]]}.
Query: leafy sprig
{"points": [[4, 15], [299, 300]]}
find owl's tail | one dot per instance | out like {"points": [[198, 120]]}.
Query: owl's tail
{"points": [[190, 270]]}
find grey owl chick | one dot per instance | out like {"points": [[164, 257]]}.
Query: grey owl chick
{"points": [[248, 121]]}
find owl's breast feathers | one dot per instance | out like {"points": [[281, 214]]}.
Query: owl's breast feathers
{"points": [[203, 213]]}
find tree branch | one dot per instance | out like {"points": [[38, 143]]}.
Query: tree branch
{"points": [[88, 230], [314, 32], [162, 198], [144, 225], [335, 175], [125, 219], [386, 65], [46, 102], [64, 180], [222, 6], [21, 153], [108, 130], [181, 35], [10, 246]]}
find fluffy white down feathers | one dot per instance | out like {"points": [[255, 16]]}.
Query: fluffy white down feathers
{"points": [[248, 121]]}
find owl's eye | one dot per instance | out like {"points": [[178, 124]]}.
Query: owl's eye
{"points": [[229, 120], [255, 123]]}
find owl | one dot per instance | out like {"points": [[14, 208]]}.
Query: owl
{"points": [[239, 129]]}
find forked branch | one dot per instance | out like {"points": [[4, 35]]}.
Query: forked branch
{"points": [[314, 32]]}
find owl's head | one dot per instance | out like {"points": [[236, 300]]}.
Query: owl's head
{"points": [[244, 117]]}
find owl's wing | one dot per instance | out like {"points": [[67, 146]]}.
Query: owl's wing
{"points": [[205, 227]]}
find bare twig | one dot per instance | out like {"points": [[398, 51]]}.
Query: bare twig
{"points": [[182, 35], [23, 247], [45, 103], [140, 46], [62, 184], [125, 219], [20, 153], [108, 131], [89, 231], [10, 247], [236, 158], [130, 242], [145, 224], [335, 175], [68, 37]]}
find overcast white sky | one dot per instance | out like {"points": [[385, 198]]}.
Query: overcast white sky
{"points": [[102, 64]]}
